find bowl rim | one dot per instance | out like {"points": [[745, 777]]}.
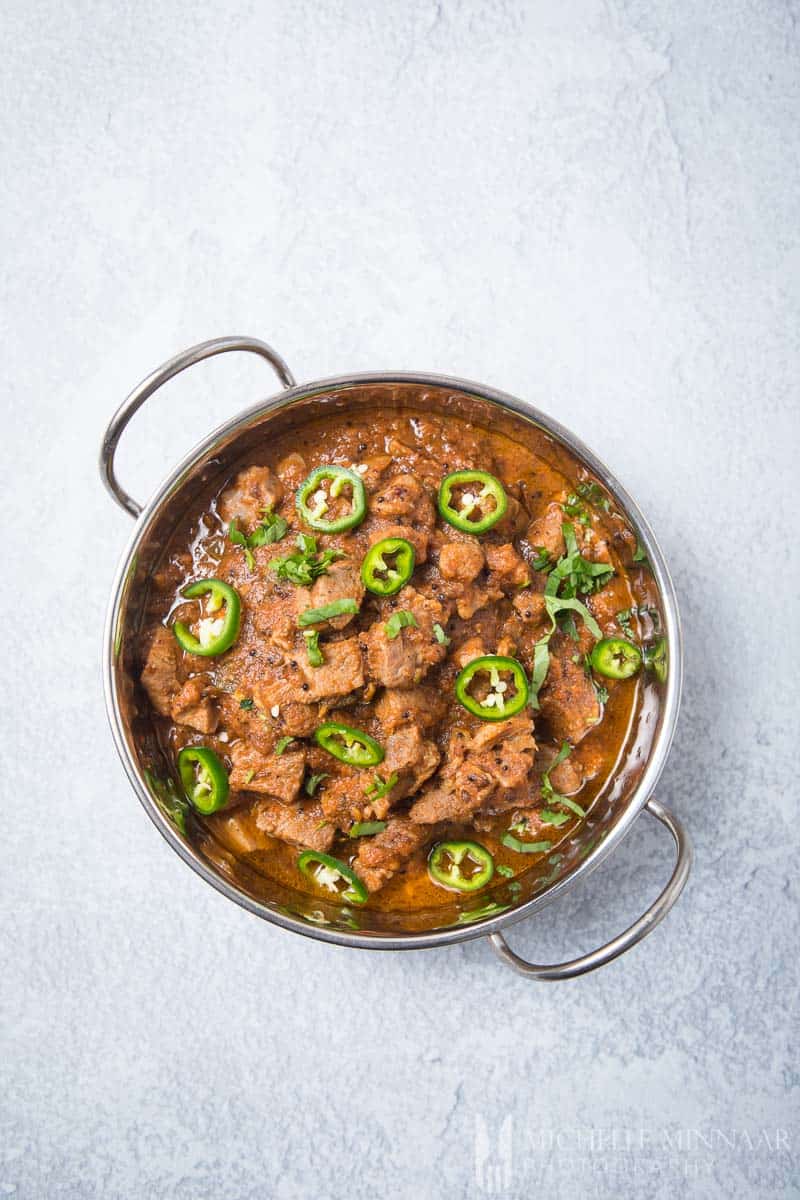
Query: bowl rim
{"points": [[261, 411]]}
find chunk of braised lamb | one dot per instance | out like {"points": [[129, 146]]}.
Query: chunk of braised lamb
{"points": [[455, 797], [344, 801], [341, 673], [613, 597], [419, 538], [405, 659], [301, 824], [160, 671], [423, 706], [341, 582], [376, 467], [531, 606], [195, 705], [279, 775], [403, 498], [514, 520], [254, 490], [568, 699], [516, 732], [273, 613], [412, 758], [292, 471], [461, 561], [469, 650], [382, 856], [507, 568], [544, 531], [494, 761]]}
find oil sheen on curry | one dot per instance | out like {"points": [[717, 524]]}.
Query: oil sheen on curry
{"points": [[395, 662]]}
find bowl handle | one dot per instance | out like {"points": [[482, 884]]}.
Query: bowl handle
{"points": [[638, 930], [154, 381]]}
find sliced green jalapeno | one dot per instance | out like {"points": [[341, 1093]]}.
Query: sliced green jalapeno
{"points": [[460, 866], [351, 746], [616, 658], [332, 875], [312, 501], [385, 578], [497, 705], [204, 779], [477, 492], [216, 634], [656, 659]]}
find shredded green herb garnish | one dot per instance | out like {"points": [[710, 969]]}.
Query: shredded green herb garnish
{"points": [[551, 796], [270, 529], [380, 787], [573, 508], [246, 704], [249, 776], [312, 783], [551, 817], [593, 493], [307, 563], [313, 652], [440, 635], [514, 843], [623, 618], [366, 828], [573, 575], [542, 560], [639, 555], [282, 743], [312, 616], [507, 872], [402, 619]]}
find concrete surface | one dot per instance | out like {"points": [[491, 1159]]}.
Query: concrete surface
{"points": [[591, 204]]}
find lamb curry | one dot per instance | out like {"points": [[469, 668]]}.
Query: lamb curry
{"points": [[397, 660]]}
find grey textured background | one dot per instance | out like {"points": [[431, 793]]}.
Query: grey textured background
{"points": [[594, 205]]}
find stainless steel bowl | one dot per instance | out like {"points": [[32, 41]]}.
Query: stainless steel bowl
{"points": [[610, 818]]}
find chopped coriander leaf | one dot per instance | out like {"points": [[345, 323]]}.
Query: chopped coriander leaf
{"points": [[514, 843], [567, 626], [602, 693], [366, 828], [282, 743], [249, 777], [306, 564], [556, 604], [440, 635], [246, 704], [508, 872], [380, 787], [623, 618], [550, 817], [312, 616], [312, 783], [270, 529], [542, 560], [639, 555], [402, 619], [541, 665], [313, 652], [573, 508], [593, 493]]}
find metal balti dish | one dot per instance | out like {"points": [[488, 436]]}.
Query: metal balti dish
{"points": [[629, 792]]}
